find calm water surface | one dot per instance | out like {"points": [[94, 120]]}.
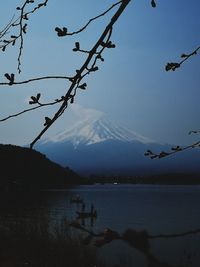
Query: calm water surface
{"points": [[156, 209]]}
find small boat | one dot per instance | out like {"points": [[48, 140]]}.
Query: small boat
{"points": [[82, 214]]}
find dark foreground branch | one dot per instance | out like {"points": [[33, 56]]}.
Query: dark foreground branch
{"points": [[103, 41]]}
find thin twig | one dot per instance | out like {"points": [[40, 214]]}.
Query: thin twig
{"points": [[19, 22], [175, 65], [95, 18], [192, 232], [174, 150], [37, 79], [28, 110], [6, 28], [187, 56]]}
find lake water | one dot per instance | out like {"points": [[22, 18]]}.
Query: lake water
{"points": [[172, 211]]}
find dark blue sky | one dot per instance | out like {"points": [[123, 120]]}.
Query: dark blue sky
{"points": [[131, 86]]}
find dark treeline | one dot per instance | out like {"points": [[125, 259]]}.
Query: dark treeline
{"points": [[161, 179]]}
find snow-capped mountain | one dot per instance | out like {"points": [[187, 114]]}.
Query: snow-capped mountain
{"points": [[96, 145], [96, 130]]}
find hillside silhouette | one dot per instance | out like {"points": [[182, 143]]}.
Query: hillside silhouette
{"points": [[22, 168]]}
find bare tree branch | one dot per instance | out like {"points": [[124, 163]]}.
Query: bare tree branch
{"points": [[37, 79], [94, 55], [175, 65], [27, 110], [85, 67], [174, 150], [19, 22], [87, 24], [6, 28]]}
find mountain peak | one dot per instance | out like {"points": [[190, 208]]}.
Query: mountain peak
{"points": [[97, 129]]}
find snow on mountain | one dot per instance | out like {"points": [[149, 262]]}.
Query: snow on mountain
{"points": [[96, 145], [94, 130]]}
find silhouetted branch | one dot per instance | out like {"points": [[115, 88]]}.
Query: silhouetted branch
{"points": [[37, 79], [174, 65], [94, 55], [5, 30], [19, 22], [174, 150], [64, 31], [40, 105], [102, 43], [192, 232], [87, 67]]}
